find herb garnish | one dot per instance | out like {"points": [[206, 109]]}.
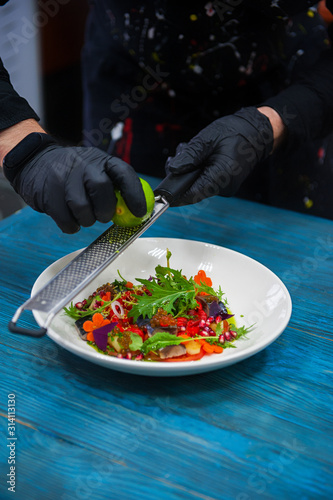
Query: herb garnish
{"points": [[76, 314], [164, 339], [170, 290]]}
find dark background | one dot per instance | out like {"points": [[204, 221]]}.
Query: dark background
{"points": [[61, 43]]}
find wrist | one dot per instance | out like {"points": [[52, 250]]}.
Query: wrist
{"points": [[20, 155], [10, 137], [279, 128]]}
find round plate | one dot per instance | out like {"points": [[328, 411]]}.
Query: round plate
{"points": [[255, 295]]}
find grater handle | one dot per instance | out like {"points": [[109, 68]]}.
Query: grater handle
{"points": [[30, 332], [173, 186]]}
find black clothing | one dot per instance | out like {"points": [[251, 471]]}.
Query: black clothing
{"points": [[13, 108], [167, 69], [178, 69], [308, 102]]}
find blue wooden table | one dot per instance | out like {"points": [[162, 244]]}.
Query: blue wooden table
{"points": [[260, 429]]}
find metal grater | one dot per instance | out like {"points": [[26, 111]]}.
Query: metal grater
{"points": [[97, 256], [82, 270]]}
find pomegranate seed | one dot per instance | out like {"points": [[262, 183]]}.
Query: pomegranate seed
{"points": [[139, 357], [128, 355], [204, 333], [234, 334], [182, 328], [79, 305], [207, 322], [120, 356], [227, 335], [202, 323], [221, 338], [209, 331], [218, 319]]}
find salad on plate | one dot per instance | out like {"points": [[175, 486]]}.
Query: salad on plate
{"points": [[164, 318]]}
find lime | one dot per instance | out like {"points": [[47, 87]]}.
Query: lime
{"points": [[124, 217]]}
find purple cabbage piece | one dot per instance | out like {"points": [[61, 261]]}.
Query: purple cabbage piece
{"points": [[219, 309], [226, 316], [214, 309], [101, 335]]}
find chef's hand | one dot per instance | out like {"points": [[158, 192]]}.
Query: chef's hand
{"points": [[226, 151], [74, 185]]}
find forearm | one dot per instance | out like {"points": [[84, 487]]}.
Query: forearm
{"points": [[279, 128], [11, 136]]}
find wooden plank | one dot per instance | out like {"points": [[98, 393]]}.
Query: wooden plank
{"points": [[190, 433], [174, 435], [259, 429]]}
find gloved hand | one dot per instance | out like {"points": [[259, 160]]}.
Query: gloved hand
{"points": [[226, 151], [74, 185]]}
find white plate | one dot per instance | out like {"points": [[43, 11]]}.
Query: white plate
{"points": [[254, 294]]}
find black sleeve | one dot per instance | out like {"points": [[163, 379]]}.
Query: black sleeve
{"points": [[306, 107], [283, 8], [13, 108]]}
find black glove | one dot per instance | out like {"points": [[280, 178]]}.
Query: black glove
{"points": [[74, 185], [226, 151]]}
